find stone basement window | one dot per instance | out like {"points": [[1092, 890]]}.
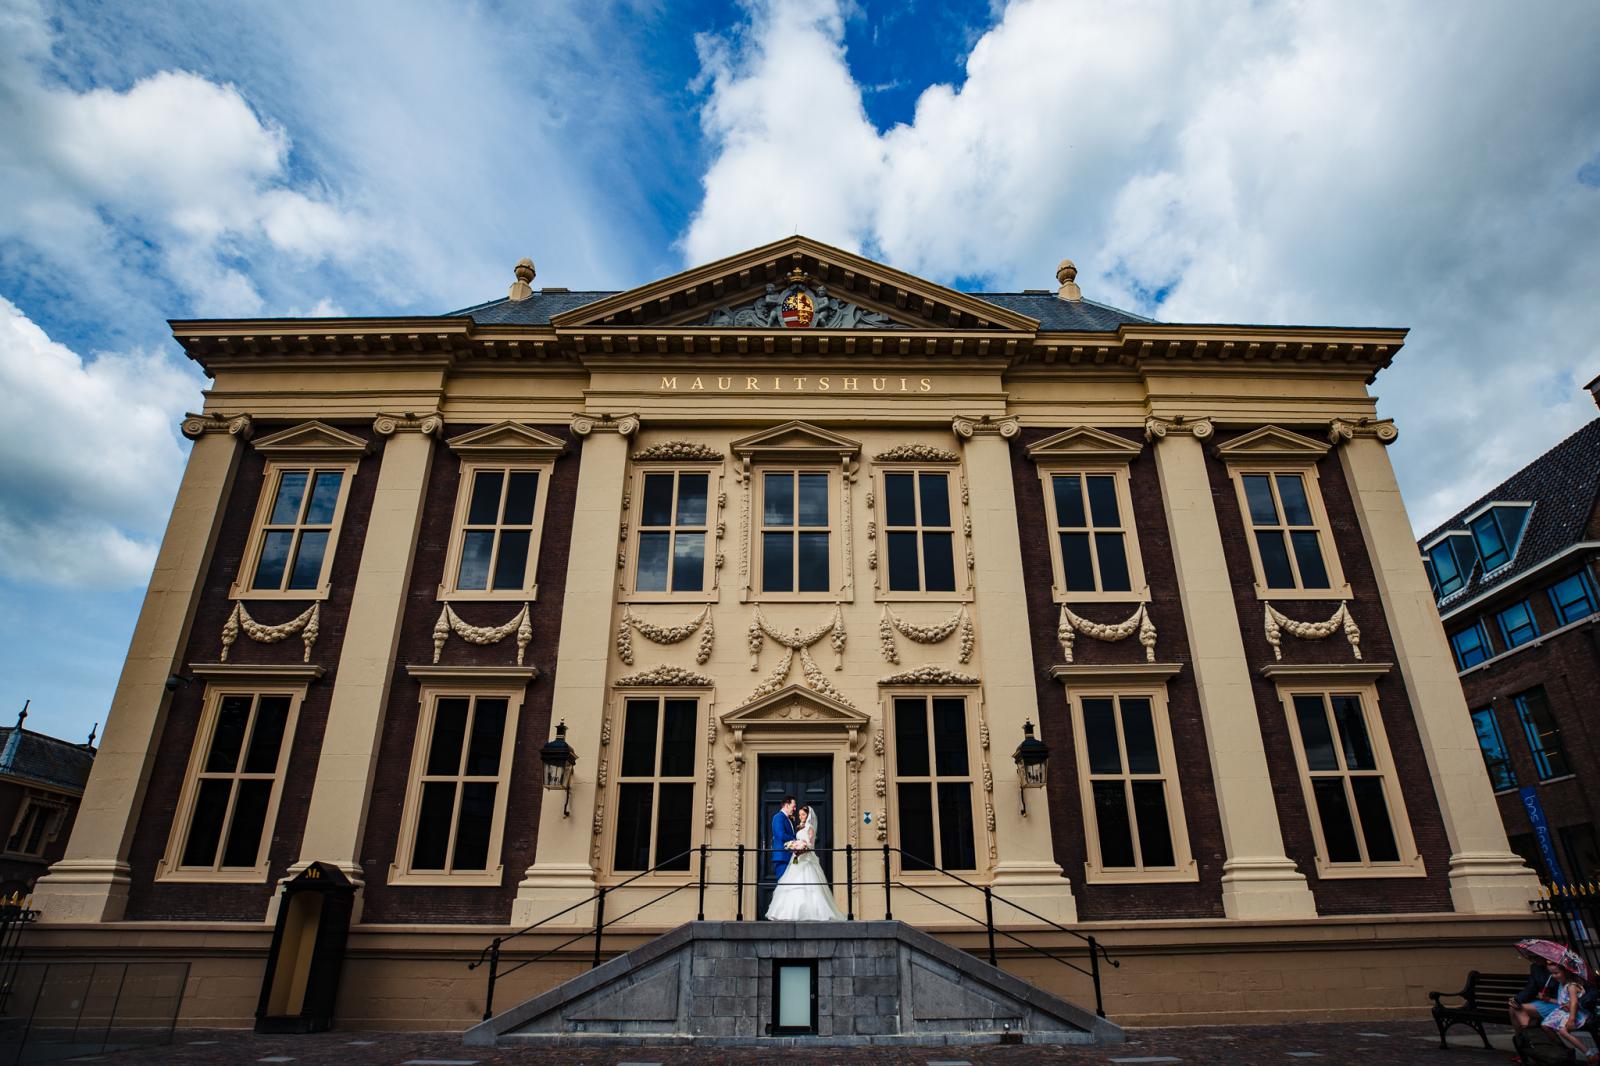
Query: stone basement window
{"points": [[454, 815], [655, 808], [494, 540], [231, 790]]}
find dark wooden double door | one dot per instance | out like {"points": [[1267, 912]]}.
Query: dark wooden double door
{"points": [[809, 779]]}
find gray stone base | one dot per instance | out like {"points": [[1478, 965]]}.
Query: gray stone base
{"points": [[710, 983]]}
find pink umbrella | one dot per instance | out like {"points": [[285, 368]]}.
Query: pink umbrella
{"points": [[1550, 951]]}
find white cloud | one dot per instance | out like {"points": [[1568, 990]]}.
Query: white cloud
{"points": [[89, 460], [1365, 164]]}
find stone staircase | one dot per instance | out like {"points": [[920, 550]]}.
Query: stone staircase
{"points": [[712, 983]]}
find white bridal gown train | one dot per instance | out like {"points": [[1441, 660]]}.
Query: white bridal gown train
{"points": [[802, 893]]}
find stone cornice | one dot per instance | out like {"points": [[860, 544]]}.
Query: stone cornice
{"points": [[429, 425], [1156, 428], [195, 426], [625, 425], [1381, 430]]}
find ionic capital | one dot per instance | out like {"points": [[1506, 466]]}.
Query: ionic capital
{"points": [[1156, 428], [624, 425], [1381, 430], [195, 426], [986, 426], [429, 425]]}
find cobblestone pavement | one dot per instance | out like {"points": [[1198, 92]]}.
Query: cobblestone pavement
{"points": [[1369, 1043]]}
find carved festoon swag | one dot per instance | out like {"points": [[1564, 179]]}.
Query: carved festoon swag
{"points": [[889, 622], [1138, 622], [1277, 623], [665, 676], [677, 449], [761, 630], [917, 452], [929, 675], [449, 622], [307, 623], [666, 634]]}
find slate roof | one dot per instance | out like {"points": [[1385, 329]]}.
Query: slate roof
{"points": [[1053, 313], [1562, 485], [48, 760]]}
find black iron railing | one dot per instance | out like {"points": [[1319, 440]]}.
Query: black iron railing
{"points": [[680, 863], [15, 916], [1572, 917]]}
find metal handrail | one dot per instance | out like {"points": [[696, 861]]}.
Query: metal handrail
{"points": [[491, 953]]}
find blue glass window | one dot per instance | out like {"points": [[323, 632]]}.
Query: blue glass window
{"points": [[1496, 532], [1517, 624], [1573, 598], [1452, 559], [1493, 746], [1471, 646], [1544, 735]]}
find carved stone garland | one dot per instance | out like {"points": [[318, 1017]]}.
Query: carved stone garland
{"points": [[449, 622], [307, 623], [917, 452], [1276, 621], [798, 642], [678, 449], [1137, 622], [667, 676], [711, 769], [888, 622], [600, 775], [930, 675], [988, 784], [666, 634]]}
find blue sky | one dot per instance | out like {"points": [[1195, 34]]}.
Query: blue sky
{"points": [[1436, 167]]}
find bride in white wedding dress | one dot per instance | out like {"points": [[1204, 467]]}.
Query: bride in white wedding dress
{"points": [[802, 893]]}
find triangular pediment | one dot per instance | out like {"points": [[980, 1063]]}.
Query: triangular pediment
{"points": [[1270, 442], [794, 440], [844, 291], [1085, 443], [311, 440], [507, 440], [795, 705]]}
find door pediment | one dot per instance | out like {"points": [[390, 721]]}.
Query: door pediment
{"points": [[794, 707]]}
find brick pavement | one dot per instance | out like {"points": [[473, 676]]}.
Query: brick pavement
{"points": [[1388, 1043]]}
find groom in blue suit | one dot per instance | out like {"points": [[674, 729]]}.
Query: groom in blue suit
{"points": [[782, 833]]}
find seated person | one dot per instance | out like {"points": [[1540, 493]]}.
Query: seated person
{"points": [[1537, 1000]]}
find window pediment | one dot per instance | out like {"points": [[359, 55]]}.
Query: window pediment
{"points": [[1271, 442], [795, 441], [1082, 443], [795, 706], [509, 441], [311, 440]]}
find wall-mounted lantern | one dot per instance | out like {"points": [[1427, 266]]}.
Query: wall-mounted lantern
{"points": [[559, 759], [1032, 758]]}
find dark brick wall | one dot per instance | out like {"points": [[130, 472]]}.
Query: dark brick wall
{"points": [[148, 899], [1176, 900], [408, 903], [1336, 895]]}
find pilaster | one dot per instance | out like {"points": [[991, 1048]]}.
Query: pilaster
{"points": [[1485, 875], [1258, 878], [561, 875], [90, 883], [1025, 870], [336, 821]]}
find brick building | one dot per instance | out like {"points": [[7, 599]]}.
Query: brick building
{"points": [[794, 521], [1515, 577], [41, 785]]}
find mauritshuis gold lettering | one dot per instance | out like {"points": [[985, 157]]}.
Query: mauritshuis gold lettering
{"points": [[792, 383]]}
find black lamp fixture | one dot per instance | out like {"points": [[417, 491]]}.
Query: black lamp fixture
{"points": [[559, 759], [1032, 758]]}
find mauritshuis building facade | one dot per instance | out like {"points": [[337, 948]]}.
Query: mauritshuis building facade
{"points": [[794, 521]]}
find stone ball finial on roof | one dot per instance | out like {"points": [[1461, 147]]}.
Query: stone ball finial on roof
{"points": [[520, 289], [1067, 275]]}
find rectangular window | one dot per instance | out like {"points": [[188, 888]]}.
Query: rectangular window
{"points": [[1573, 598], [1517, 624], [673, 527], [1286, 535], [236, 769], [919, 532], [1452, 561], [1496, 532], [1471, 646], [1352, 796], [1092, 525], [495, 547], [38, 823], [794, 545], [1493, 746], [1131, 802], [655, 784], [293, 547], [1526, 846], [461, 774], [1543, 733], [933, 783], [1581, 852]]}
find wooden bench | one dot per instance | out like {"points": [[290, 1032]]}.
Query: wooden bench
{"points": [[1484, 1000]]}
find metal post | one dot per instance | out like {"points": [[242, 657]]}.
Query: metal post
{"points": [[599, 924], [701, 914], [988, 921], [739, 882], [849, 883], [888, 905], [494, 968], [1094, 972]]}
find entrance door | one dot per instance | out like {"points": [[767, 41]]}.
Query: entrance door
{"points": [[809, 779]]}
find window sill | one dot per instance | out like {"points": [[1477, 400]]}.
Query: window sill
{"points": [[1093, 875], [439, 879], [1328, 872], [303, 595], [1342, 592], [256, 876], [798, 597], [22, 856], [1069, 597], [1555, 780], [470, 596], [706, 596], [880, 596]]}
